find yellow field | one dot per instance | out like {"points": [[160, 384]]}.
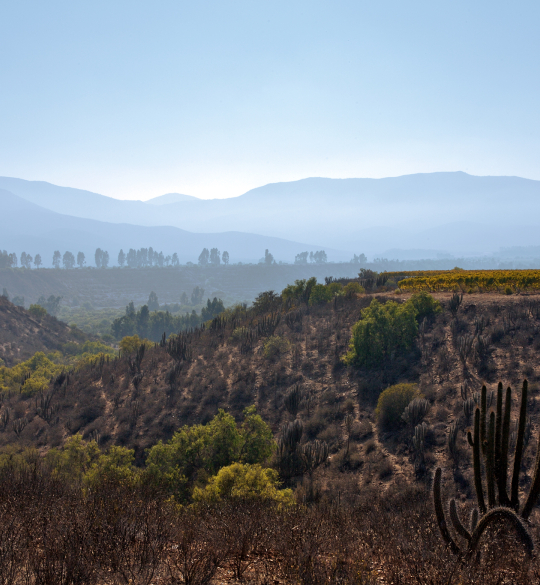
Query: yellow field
{"points": [[468, 280]]}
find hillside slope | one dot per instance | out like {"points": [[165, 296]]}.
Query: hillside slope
{"points": [[228, 367], [22, 335]]}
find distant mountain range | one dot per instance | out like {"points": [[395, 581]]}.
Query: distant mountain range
{"points": [[441, 213], [170, 198], [25, 226]]}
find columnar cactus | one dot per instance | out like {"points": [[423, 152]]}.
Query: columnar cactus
{"points": [[490, 440]]}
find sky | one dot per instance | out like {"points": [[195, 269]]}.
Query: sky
{"points": [[213, 98]]}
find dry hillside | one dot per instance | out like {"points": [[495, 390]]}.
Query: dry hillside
{"points": [[22, 334], [123, 402]]}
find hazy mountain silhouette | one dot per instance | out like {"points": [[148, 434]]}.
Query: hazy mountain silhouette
{"points": [[25, 226], [453, 212], [170, 198]]}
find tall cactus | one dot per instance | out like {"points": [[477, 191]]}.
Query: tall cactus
{"points": [[490, 441], [293, 399]]}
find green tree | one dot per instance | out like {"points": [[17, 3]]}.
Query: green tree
{"points": [[425, 305], [74, 459], [300, 291], [143, 318], [212, 309], [121, 258], [98, 257], [382, 330], [115, 466], [153, 303], [204, 257], [225, 258], [81, 260], [68, 260], [37, 260], [37, 311], [320, 294], [359, 259], [215, 259], [56, 259], [257, 439], [199, 451], [268, 258], [174, 260], [301, 258], [51, 304], [26, 260], [266, 301], [197, 295], [105, 259]]}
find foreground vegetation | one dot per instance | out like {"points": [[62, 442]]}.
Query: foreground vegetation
{"points": [[360, 394], [54, 530]]}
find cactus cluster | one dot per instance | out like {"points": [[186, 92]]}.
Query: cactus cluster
{"points": [[293, 400], [293, 319], [46, 410], [415, 411], [490, 442], [455, 303], [295, 459], [179, 348], [268, 324]]}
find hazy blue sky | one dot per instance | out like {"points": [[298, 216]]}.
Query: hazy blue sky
{"points": [[211, 98]]}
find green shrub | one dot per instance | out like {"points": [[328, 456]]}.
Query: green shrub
{"points": [[37, 311], [300, 291], [243, 482], [335, 288], [382, 330], [239, 333], [320, 294], [353, 288], [391, 404], [425, 305], [202, 450], [131, 344], [275, 346]]}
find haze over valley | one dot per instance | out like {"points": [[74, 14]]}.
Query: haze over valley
{"points": [[439, 214]]}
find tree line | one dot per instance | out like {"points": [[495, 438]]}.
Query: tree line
{"points": [[148, 257], [313, 257], [150, 323]]}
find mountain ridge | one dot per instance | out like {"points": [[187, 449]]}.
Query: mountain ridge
{"points": [[358, 215], [44, 231]]}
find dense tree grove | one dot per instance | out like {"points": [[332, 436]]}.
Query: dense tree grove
{"points": [[26, 260], [151, 324], [145, 257], [314, 257]]}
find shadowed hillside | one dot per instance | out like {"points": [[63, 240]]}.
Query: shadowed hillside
{"points": [[22, 333]]}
